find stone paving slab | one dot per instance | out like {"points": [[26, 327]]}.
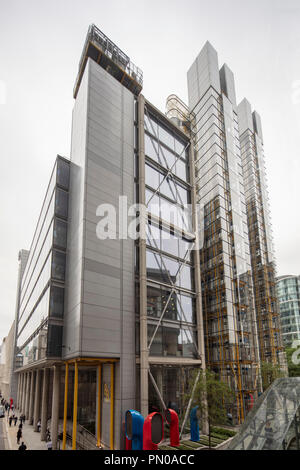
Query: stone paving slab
{"points": [[30, 438]]}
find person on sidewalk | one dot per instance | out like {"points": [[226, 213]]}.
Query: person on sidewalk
{"points": [[22, 446], [19, 435], [10, 420], [49, 445], [15, 420]]}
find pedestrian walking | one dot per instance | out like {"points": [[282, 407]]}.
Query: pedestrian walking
{"points": [[15, 420], [49, 445], [10, 420], [19, 435], [22, 446], [39, 425]]}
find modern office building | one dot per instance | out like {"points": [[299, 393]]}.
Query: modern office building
{"points": [[288, 294], [112, 322], [139, 273], [40, 303], [260, 235], [227, 293]]}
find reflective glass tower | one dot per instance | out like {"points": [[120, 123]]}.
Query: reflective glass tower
{"points": [[288, 294], [227, 293], [260, 234]]}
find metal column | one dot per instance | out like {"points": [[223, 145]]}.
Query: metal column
{"points": [[44, 412], [31, 397], [55, 406], [37, 400], [144, 353]]}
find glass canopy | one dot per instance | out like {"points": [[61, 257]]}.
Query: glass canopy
{"points": [[268, 424]]}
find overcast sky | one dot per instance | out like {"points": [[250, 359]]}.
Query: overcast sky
{"points": [[40, 46]]}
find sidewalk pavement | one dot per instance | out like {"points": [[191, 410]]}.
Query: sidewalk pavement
{"points": [[30, 438]]}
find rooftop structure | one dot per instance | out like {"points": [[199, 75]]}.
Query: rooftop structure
{"points": [[109, 56]]}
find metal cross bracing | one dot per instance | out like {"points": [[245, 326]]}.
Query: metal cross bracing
{"points": [[173, 290], [159, 151]]}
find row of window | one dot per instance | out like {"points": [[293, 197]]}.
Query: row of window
{"points": [[42, 292], [164, 135], [167, 249]]}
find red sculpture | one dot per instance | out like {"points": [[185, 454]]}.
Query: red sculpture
{"points": [[173, 421], [153, 431]]}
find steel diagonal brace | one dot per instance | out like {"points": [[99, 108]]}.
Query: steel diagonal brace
{"points": [[189, 404], [157, 390], [155, 135], [190, 330], [173, 289], [169, 172], [161, 317]]}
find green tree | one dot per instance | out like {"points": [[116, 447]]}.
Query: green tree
{"points": [[269, 373], [293, 356], [213, 398]]}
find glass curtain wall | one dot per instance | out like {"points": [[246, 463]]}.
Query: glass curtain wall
{"points": [[170, 287], [260, 238], [228, 310], [288, 293], [40, 320], [171, 308]]}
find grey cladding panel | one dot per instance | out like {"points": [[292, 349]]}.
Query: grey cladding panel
{"points": [[101, 268]]}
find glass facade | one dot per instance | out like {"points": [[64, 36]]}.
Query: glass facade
{"points": [[169, 260], [288, 294], [40, 319], [227, 292], [260, 238], [173, 383], [271, 423], [170, 284]]}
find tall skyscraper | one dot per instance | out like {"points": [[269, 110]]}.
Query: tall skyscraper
{"points": [[227, 293], [260, 235]]}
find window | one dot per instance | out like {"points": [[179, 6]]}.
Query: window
{"points": [[60, 233], [166, 137], [58, 265], [61, 203], [151, 147], [57, 302], [63, 173], [54, 343]]}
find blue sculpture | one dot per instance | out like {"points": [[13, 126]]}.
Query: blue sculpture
{"points": [[134, 423], [195, 433]]}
